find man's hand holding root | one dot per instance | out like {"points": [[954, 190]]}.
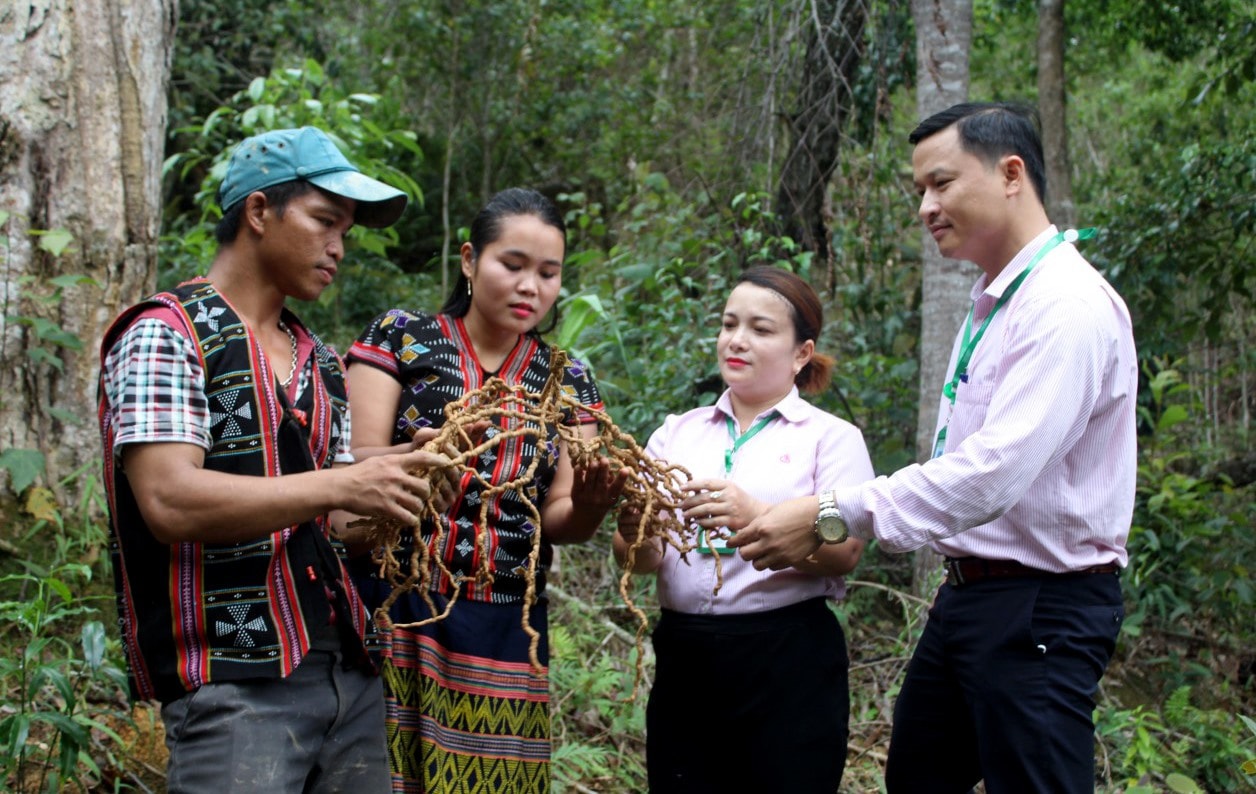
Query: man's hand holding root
{"points": [[781, 536], [392, 486]]}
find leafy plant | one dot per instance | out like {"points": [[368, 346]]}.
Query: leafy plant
{"points": [[1185, 573], [299, 96], [598, 735], [1187, 748], [47, 340], [47, 734]]}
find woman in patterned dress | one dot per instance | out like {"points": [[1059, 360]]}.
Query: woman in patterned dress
{"points": [[466, 710]]}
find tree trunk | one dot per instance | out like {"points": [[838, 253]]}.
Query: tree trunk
{"points": [[835, 33], [1052, 111], [943, 39], [82, 128]]}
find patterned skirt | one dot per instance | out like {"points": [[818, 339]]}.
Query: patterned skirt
{"points": [[466, 711]]}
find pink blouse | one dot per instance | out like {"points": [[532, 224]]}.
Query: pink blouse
{"points": [[803, 451]]}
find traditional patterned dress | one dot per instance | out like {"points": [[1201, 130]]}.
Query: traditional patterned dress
{"points": [[466, 711]]}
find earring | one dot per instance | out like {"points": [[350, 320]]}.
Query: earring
{"points": [[468, 288]]}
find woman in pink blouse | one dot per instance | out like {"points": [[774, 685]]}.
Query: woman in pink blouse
{"points": [[761, 667]]}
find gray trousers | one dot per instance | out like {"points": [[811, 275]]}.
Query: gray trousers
{"points": [[321, 730]]}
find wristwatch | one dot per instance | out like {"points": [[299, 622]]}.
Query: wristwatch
{"points": [[830, 528]]}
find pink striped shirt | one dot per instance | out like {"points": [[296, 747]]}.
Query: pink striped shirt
{"points": [[1040, 458], [803, 451]]}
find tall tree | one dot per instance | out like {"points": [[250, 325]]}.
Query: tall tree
{"points": [[943, 38], [834, 51], [82, 125], [1052, 106]]}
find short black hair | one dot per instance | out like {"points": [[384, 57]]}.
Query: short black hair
{"points": [[277, 196], [990, 130]]}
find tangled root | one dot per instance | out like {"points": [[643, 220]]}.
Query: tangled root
{"points": [[653, 491]]}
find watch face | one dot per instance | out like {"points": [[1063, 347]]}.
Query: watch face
{"points": [[831, 529]]}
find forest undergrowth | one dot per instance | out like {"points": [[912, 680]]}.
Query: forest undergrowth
{"points": [[1174, 711]]}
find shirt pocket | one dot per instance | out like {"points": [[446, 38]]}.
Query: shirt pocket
{"points": [[976, 389]]}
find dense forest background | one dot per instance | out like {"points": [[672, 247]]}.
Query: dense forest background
{"points": [[684, 142]]}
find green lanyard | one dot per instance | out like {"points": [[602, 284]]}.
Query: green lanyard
{"points": [[743, 438], [719, 543], [969, 341]]}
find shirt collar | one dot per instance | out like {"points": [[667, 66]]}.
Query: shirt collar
{"points": [[792, 407], [996, 288]]}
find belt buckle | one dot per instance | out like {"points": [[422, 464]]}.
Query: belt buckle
{"points": [[954, 572]]}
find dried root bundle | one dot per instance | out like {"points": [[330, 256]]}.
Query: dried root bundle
{"points": [[653, 492]]}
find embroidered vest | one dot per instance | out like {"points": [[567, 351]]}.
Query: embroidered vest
{"points": [[191, 613]]}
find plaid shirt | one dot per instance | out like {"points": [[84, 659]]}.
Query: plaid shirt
{"points": [[156, 387]]}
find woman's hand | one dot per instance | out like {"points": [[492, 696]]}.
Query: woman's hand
{"points": [[628, 523], [648, 555], [596, 486], [719, 503]]}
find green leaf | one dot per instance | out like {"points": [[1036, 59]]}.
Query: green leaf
{"points": [[1174, 414], [41, 356], [55, 241], [60, 588], [64, 416], [1182, 784], [579, 313], [24, 467], [257, 88], [61, 683], [13, 733], [70, 280], [67, 726], [64, 338], [1249, 722], [93, 636]]}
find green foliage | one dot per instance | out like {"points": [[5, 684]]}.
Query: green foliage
{"points": [[295, 97], [590, 718], [23, 465], [599, 733], [1190, 569], [46, 339], [52, 682], [43, 296], [1203, 202], [61, 677], [660, 288], [47, 736], [662, 284], [1177, 30], [222, 44], [1176, 218], [1188, 748]]}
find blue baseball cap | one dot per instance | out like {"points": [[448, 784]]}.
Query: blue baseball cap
{"points": [[307, 154]]}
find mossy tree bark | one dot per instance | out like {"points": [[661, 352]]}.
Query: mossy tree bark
{"points": [[82, 128]]}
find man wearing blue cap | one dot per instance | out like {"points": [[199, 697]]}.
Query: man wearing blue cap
{"points": [[221, 417]]}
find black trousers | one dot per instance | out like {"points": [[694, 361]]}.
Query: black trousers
{"points": [[754, 703], [1001, 687]]}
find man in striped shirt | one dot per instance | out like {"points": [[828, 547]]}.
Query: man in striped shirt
{"points": [[1028, 495]]}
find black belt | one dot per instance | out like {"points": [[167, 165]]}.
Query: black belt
{"points": [[966, 570]]}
